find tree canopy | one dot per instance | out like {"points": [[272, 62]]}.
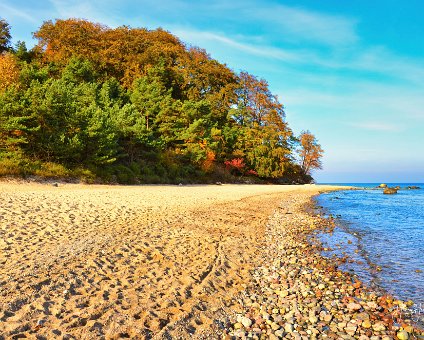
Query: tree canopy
{"points": [[4, 36], [136, 105]]}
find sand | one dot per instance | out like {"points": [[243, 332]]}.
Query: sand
{"points": [[91, 262]]}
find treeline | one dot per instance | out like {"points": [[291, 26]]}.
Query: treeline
{"points": [[138, 106]]}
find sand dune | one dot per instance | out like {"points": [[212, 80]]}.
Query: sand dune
{"points": [[90, 262]]}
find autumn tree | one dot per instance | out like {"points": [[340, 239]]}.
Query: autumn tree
{"points": [[133, 104], [9, 71], [310, 152], [263, 135]]}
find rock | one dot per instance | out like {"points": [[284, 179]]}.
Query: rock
{"points": [[246, 322], [354, 306], [366, 324], [402, 335], [279, 333], [351, 329], [275, 326], [390, 191], [288, 327], [382, 185], [378, 327], [413, 187], [328, 317], [313, 319], [238, 325], [240, 333]]}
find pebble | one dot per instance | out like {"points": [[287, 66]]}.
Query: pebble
{"points": [[353, 306], [366, 324], [402, 335], [378, 327], [279, 333], [275, 326], [313, 319], [246, 322], [294, 284], [288, 327]]}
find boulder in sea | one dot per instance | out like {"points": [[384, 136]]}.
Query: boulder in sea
{"points": [[390, 191], [397, 187], [382, 185], [413, 187]]}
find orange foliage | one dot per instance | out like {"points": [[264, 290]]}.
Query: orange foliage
{"points": [[9, 71], [208, 162], [124, 53], [310, 152], [128, 53]]}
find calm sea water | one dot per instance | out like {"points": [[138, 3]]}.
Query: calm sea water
{"points": [[383, 234]]}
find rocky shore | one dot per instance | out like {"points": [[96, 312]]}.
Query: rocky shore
{"points": [[296, 293]]}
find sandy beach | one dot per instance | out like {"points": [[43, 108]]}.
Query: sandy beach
{"points": [[141, 262]]}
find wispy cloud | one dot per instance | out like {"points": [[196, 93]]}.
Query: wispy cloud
{"points": [[10, 12], [376, 60], [309, 25], [94, 10], [377, 126], [258, 50]]}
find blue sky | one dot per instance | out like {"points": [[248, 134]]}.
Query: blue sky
{"points": [[352, 72]]}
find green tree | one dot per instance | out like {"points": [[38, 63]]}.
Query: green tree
{"points": [[4, 36]]}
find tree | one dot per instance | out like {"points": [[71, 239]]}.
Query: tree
{"points": [[4, 36], [310, 152], [9, 71], [262, 135]]}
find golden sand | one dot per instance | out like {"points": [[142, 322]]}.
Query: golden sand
{"points": [[90, 262]]}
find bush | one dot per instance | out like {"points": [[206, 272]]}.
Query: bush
{"points": [[52, 170]]}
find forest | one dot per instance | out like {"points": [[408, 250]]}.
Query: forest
{"points": [[133, 105]]}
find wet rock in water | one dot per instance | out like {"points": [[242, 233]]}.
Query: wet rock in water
{"points": [[413, 187], [390, 191], [382, 185]]}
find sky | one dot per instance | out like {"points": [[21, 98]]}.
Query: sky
{"points": [[351, 72]]}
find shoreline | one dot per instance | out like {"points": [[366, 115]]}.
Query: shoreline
{"points": [[95, 261], [300, 293], [359, 265]]}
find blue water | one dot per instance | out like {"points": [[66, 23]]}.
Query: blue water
{"points": [[383, 235]]}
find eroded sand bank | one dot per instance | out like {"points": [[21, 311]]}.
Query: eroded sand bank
{"points": [[118, 261]]}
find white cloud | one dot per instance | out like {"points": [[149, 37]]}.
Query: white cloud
{"points": [[263, 51], [377, 126], [309, 25], [10, 12]]}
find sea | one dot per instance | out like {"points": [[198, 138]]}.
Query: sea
{"points": [[382, 236]]}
